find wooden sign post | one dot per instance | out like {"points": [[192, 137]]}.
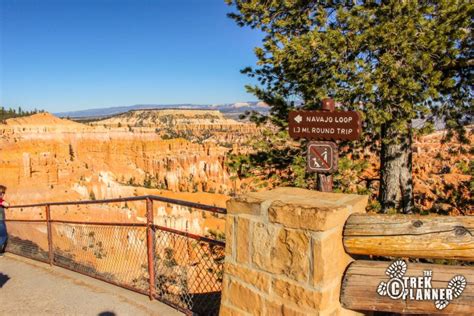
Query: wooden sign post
{"points": [[325, 124]]}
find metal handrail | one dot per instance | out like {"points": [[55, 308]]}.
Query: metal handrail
{"points": [[149, 225], [200, 206]]}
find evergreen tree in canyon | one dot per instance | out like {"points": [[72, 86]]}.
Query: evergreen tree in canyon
{"points": [[395, 61], [9, 113]]}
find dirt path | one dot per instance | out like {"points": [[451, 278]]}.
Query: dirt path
{"points": [[28, 287]]}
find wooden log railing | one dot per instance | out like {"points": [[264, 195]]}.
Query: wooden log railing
{"points": [[363, 277], [410, 236], [407, 236]]}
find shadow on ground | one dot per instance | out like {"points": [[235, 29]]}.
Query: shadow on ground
{"points": [[3, 279]]}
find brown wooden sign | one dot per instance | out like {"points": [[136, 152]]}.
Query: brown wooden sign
{"points": [[330, 125], [322, 157]]}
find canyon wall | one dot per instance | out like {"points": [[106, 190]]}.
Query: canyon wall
{"points": [[44, 159], [61, 158]]}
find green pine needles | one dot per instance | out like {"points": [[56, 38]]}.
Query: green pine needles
{"points": [[395, 61]]}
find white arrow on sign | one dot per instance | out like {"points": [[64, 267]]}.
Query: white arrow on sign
{"points": [[298, 119]]}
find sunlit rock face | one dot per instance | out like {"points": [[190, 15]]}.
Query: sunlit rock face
{"points": [[43, 157], [196, 125]]}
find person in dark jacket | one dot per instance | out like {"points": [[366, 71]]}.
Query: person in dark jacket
{"points": [[3, 227]]}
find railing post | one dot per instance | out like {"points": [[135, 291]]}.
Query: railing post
{"points": [[150, 245], [284, 252], [50, 235]]}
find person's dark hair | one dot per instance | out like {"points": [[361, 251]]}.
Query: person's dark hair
{"points": [[3, 188]]}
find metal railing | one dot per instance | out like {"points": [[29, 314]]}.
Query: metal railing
{"points": [[179, 268]]}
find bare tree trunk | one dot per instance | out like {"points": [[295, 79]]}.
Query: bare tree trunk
{"points": [[396, 180]]}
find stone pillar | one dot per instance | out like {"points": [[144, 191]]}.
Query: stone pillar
{"points": [[26, 165], [284, 252]]}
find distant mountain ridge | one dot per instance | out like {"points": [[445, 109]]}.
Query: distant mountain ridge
{"points": [[229, 109]]}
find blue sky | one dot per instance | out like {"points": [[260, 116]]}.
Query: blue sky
{"points": [[62, 55]]}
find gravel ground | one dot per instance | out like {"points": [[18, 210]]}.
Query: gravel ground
{"points": [[28, 287]]}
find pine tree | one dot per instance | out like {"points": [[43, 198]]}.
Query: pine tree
{"points": [[92, 196], [12, 113], [393, 60], [71, 153]]}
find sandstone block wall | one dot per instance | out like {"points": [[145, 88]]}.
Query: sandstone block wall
{"points": [[284, 252]]}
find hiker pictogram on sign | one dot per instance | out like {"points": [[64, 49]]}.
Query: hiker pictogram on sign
{"points": [[322, 157]]}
